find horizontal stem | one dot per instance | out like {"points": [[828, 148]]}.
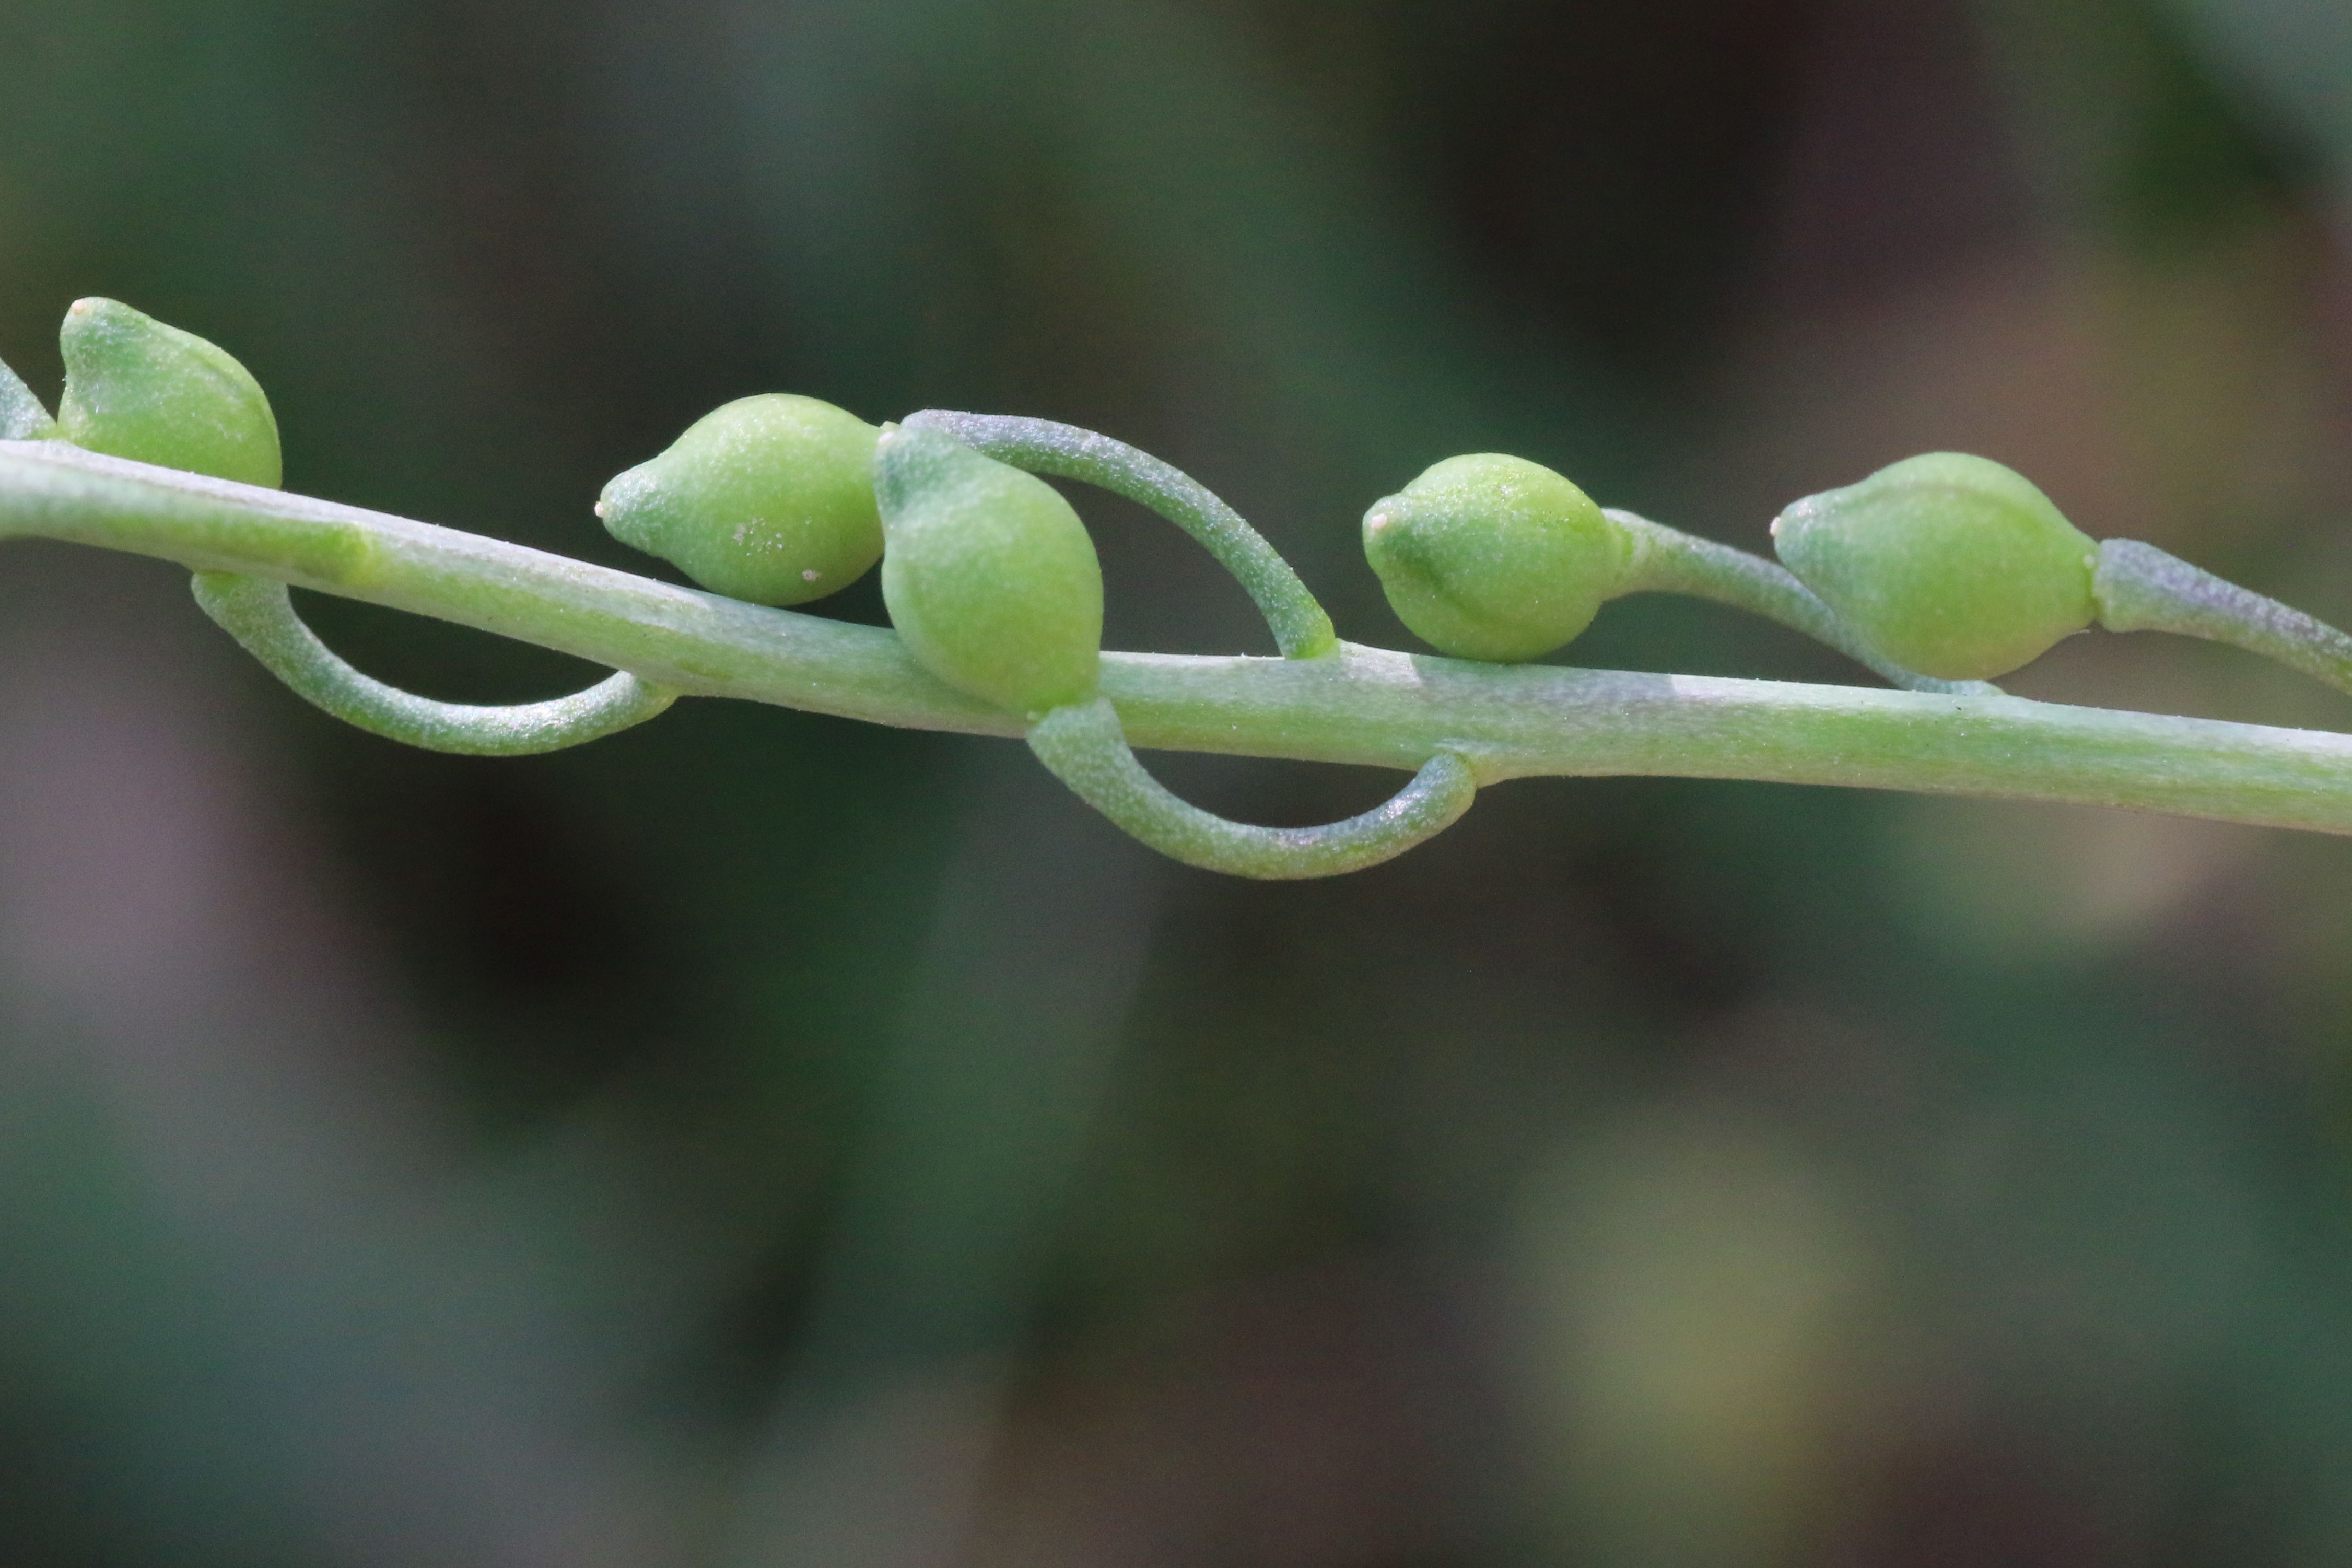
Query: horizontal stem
{"points": [[1357, 704]]}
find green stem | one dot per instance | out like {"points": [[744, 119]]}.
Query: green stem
{"points": [[260, 615], [1360, 705], [2139, 588], [1301, 629], [1668, 561], [1084, 746]]}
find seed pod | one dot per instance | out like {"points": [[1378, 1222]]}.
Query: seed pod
{"points": [[1951, 565], [989, 576], [136, 389], [1493, 557], [769, 499], [22, 417]]}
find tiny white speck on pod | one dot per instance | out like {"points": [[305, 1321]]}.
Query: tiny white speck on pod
{"points": [[600, 508], [1377, 521], [811, 574]]}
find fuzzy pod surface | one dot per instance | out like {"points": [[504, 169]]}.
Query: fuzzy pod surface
{"points": [[1952, 564], [768, 499], [23, 416], [990, 577], [1493, 557], [136, 389]]}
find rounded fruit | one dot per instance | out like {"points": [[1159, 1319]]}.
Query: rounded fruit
{"points": [[1950, 563], [990, 577], [1493, 557], [768, 499], [136, 389]]}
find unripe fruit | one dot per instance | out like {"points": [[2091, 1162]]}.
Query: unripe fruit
{"points": [[1493, 557], [22, 417], [989, 576], [1951, 565], [136, 389], [768, 499]]}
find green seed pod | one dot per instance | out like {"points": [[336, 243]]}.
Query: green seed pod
{"points": [[22, 417], [136, 389], [1493, 557], [768, 499], [1951, 565], [989, 576]]}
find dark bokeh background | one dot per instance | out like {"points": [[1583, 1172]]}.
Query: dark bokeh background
{"points": [[760, 1138]]}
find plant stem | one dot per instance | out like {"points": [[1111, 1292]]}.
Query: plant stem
{"points": [[1356, 704]]}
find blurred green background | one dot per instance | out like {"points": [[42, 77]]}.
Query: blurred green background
{"points": [[760, 1139]]}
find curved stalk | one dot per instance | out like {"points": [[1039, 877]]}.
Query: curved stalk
{"points": [[1360, 705], [259, 614], [1300, 628], [1083, 745]]}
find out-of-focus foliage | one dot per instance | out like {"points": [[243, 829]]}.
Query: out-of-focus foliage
{"points": [[760, 1139]]}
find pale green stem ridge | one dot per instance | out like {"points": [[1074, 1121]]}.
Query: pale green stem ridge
{"points": [[259, 614], [2139, 588], [22, 417], [1301, 629], [1085, 748], [1360, 705], [1668, 561]]}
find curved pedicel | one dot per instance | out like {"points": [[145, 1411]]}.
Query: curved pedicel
{"points": [[259, 614], [934, 491], [1300, 628], [1085, 748]]}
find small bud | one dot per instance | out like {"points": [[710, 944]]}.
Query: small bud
{"points": [[989, 576], [768, 499], [1951, 565], [1493, 557], [136, 389]]}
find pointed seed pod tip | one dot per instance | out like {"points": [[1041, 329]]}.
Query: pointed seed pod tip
{"points": [[137, 388], [769, 499]]}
